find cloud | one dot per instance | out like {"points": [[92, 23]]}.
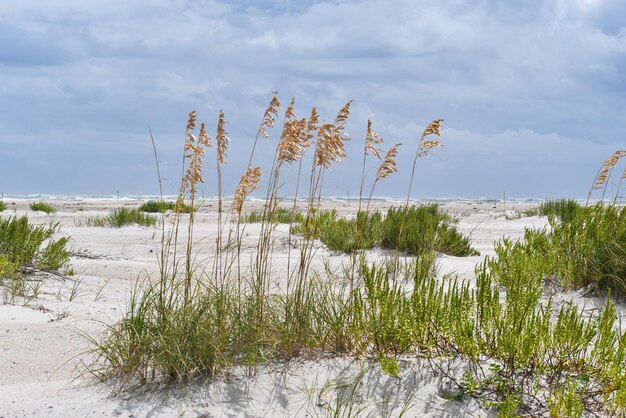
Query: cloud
{"points": [[538, 85]]}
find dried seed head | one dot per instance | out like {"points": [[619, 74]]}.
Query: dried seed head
{"points": [[289, 115], [248, 183], [221, 139], [204, 139], [342, 116], [370, 139], [313, 121], [191, 121], [388, 166], [270, 115], [607, 168], [294, 140], [193, 174], [311, 127], [293, 137], [434, 128], [330, 139]]}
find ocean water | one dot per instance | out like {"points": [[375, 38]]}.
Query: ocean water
{"points": [[346, 199]]}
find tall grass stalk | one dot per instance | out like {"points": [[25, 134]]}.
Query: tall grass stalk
{"points": [[423, 149]]}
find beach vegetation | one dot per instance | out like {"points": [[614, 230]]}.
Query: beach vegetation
{"points": [[42, 207], [281, 216], [415, 230], [120, 217], [525, 354], [160, 206], [586, 249], [564, 209], [3, 206], [25, 248]]}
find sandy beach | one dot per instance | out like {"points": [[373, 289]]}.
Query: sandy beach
{"points": [[45, 341]]}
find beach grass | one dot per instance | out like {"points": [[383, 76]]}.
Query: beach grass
{"points": [[120, 217], [524, 354], [24, 247], [160, 206], [42, 207]]}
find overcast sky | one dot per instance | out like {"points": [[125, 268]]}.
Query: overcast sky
{"points": [[532, 92]]}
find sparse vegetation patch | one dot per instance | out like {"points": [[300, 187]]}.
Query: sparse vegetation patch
{"points": [[42, 207], [121, 217]]}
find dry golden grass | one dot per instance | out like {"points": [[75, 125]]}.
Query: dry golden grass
{"points": [[248, 183], [270, 115], [604, 174], [372, 138], [388, 166], [222, 139], [330, 139], [607, 168], [294, 138], [434, 128]]}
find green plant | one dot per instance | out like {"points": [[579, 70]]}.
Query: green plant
{"points": [[160, 206], [524, 352], [587, 248], [281, 216], [564, 209], [43, 207], [22, 248], [3, 206], [120, 217]]}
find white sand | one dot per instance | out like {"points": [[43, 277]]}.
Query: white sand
{"points": [[43, 343]]}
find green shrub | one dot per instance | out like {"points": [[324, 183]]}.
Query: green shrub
{"points": [[160, 206], [564, 209], [281, 216], [424, 229], [3, 206], [587, 249], [21, 244], [43, 207], [514, 341], [121, 217]]}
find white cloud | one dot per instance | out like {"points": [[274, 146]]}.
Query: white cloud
{"points": [[513, 77]]}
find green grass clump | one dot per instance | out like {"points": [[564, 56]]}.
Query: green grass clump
{"points": [[3, 206], [280, 215], [160, 206], [426, 228], [415, 230], [43, 207], [564, 209], [514, 341], [121, 217], [588, 249], [24, 246]]}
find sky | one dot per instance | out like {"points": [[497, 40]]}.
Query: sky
{"points": [[532, 93]]}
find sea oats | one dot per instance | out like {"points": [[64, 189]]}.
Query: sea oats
{"points": [[293, 141], [370, 139], [388, 166], [203, 138], [294, 138], [270, 115], [607, 168], [248, 183], [191, 121], [331, 138], [221, 139], [314, 120], [434, 128]]}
